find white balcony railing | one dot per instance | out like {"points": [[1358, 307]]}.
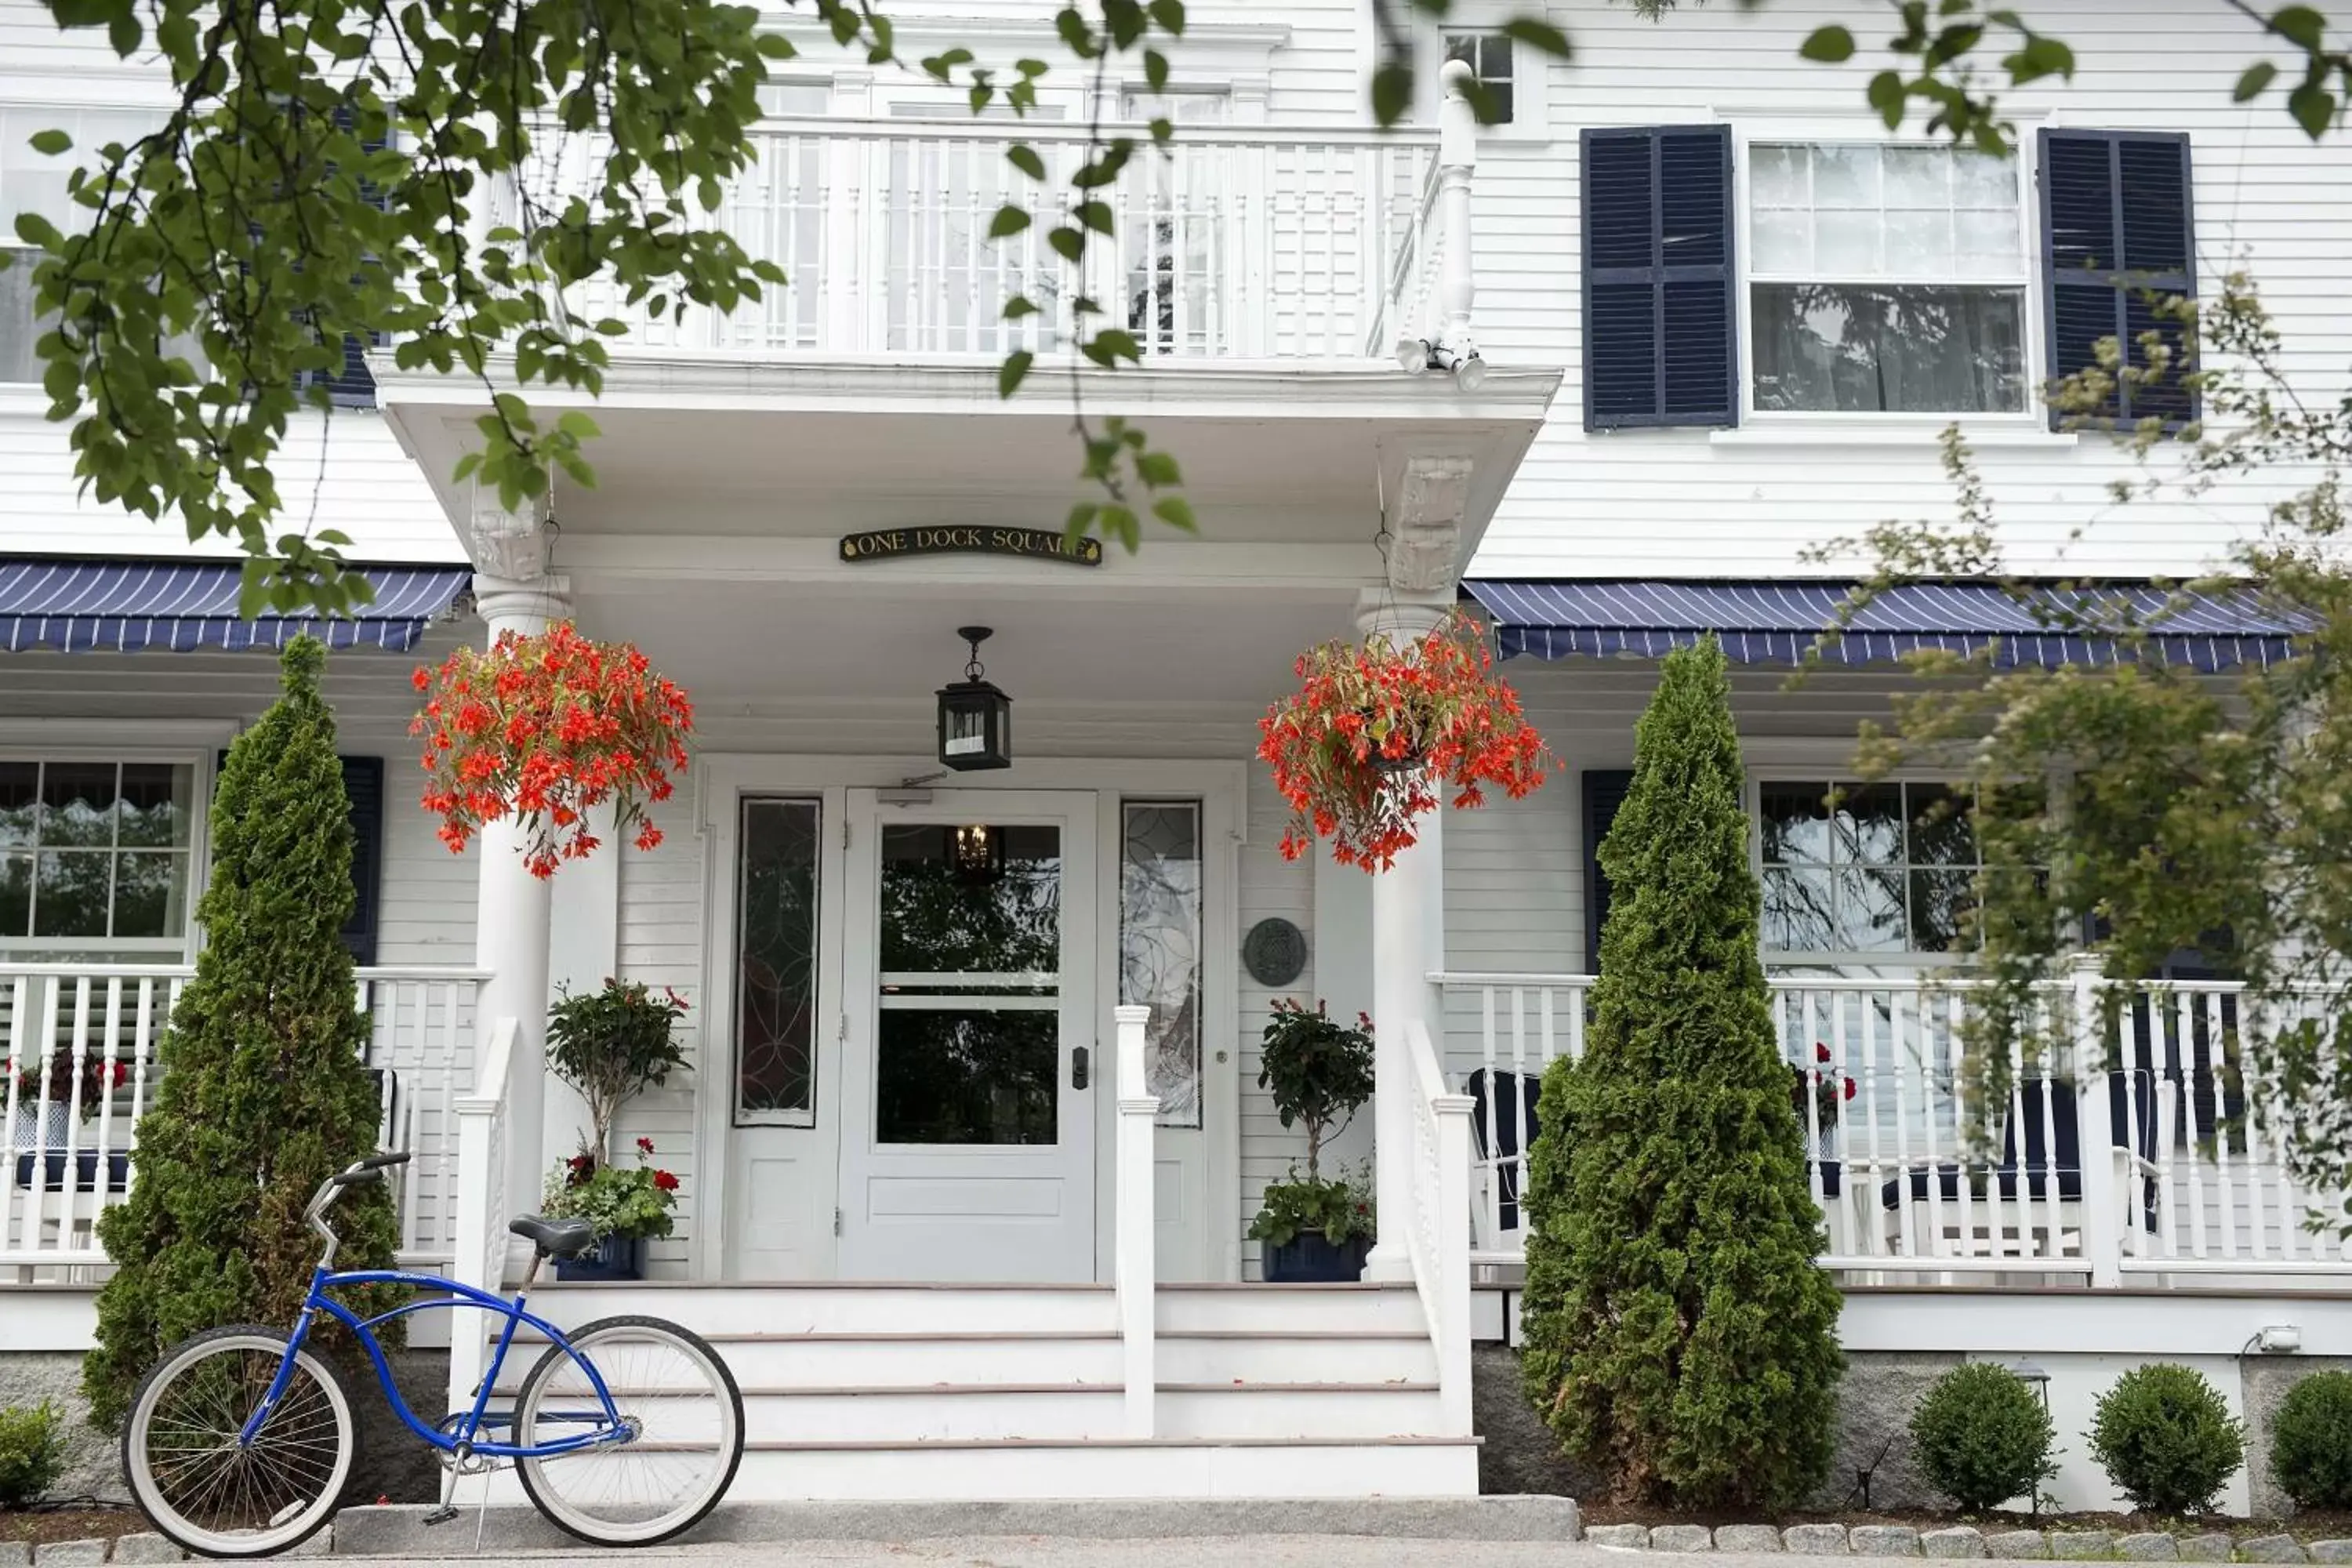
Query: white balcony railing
{"points": [[80, 1046], [1240, 242], [2140, 1155]]}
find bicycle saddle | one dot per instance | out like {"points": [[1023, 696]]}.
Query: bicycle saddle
{"points": [[555, 1238]]}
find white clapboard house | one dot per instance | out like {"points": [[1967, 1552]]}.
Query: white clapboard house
{"points": [[1722, 314]]}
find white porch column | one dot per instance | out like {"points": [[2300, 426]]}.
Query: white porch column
{"points": [[512, 913], [583, 952], [1408, 943]]}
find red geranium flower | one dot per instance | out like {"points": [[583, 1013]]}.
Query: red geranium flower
{"points": [[645, 1145], [664, 1181]]}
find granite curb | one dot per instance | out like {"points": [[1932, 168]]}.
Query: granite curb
{"points": [[399, 1530], [1966, 1541], [144, 1546]]}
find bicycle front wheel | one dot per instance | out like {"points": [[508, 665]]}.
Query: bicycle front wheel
{"points": [[218, 1495], [685, 1422]]}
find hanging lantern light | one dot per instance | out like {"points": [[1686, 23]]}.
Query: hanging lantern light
{"points": [[975, 718], [977, 853]]}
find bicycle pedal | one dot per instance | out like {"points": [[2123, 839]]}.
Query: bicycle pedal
{"points": [[441, 1515]]}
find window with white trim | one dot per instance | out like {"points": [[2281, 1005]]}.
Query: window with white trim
{"points": [[1885, 278], [1489, 57], [1865, 871], [95, 856]]}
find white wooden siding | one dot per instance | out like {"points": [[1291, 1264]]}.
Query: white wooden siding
{"points": [[1687, 503]]}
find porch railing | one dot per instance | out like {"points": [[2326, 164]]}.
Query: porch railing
{"points": [[479, 1237], [1437, 1230], [81, 1043], [2143, 1154], [1239, 242]]}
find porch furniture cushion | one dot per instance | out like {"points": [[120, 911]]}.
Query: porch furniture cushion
{"points": [[74, 606], [555, 1238], [1498, 1091], [53, 1172], [1764, 621]]}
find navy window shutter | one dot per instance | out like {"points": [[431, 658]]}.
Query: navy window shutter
{"points": [[353, 386], [364, 784], [1659, 344], [1604, 792], [2118, 234]]}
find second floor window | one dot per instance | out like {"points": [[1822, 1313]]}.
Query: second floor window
{"points": [[1886, 279], [1489, 57]]}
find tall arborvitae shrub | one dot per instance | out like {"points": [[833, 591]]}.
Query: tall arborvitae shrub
{"points": [[1680, 1337], [263, 1091]]}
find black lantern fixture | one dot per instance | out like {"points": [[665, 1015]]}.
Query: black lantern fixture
{"points": [[975, 718]]}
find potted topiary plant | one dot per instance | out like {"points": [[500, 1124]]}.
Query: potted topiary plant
{"points": [[1319, 1074], [612, 1044], [627, 1206]]}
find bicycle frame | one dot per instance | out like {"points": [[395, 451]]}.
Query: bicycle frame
{"points": [[465, 1427]]}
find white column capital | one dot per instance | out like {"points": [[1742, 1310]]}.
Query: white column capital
{"points": [[505, 541], [526, 605]]}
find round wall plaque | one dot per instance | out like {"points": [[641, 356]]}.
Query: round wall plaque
{"points": [[1275, 952]]}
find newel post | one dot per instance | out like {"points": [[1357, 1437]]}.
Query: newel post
{"points": [[1454, 1113], [1457, 158], [2094, 1138], [1136, 1229]]}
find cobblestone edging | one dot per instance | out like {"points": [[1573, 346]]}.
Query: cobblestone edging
{"points": [[1963, 1541], [141, 1548]]}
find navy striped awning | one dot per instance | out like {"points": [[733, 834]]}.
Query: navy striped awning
{"points": [[1776, 621], [122, 607]]}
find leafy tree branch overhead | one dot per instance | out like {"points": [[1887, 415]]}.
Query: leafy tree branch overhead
{"points": [[332, 174]]}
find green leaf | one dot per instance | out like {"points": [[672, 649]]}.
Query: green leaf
{"points": [[52, 142], [1023, 157], [1155, 70], [1175, 511], [1009, 373], [576, 424], [1095, 216], [1832, 45], [1081, 518], [2039, 58], [2257, 78], [1538, 35], [1069, 244], [1391, 93], [1169, 13], [2301, 25], [1158, 469], [1887, 93], [1009, 220], [1018, 306], [2314, 108], [38, 232]]}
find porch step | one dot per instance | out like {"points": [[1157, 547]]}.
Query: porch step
{"points": [[836, 1309], [1102, 1468], [1276, 1307]]}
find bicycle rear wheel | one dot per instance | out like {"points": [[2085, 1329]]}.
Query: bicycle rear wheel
{"points": [[686, 1417], [203, 1488]]}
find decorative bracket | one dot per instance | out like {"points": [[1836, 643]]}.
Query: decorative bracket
{"points": [[510, 543], [1425, 542]]}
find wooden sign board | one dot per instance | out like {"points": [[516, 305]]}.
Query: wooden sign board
{"points": [[1032, 543]]}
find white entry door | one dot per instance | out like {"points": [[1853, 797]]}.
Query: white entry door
{"points": [[971, 1068]]}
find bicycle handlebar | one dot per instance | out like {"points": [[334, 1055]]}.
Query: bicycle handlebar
{"points": [[359, 1171]]}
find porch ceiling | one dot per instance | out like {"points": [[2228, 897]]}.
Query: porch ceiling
{"points": [[783, 450]]}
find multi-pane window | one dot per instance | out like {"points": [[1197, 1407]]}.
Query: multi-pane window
{"points": [[1159, 946], [1865, 869], [94, 855], [775, 961], [1886, 279], [35, 183], [1172, 232], [1489, 59]]}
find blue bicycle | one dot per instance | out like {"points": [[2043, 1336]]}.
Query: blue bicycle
{"points": [[625, 1432]]}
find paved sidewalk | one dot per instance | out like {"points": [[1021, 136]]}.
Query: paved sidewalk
{"points": [[1233, 1551]]}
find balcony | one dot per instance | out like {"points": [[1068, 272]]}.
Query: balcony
{"points": [[1238, 243]]}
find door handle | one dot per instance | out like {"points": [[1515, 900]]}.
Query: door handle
{"points": [[1078, 1067]]}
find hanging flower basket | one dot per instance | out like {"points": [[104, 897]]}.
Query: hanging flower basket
{"points": [[1378, 735], [546, 729]]}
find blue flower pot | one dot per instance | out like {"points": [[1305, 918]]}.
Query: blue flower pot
{"points": [[1310, 1260], [615, 1258]]}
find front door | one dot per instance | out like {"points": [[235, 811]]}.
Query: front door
{"points": [[968, 1147]]}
